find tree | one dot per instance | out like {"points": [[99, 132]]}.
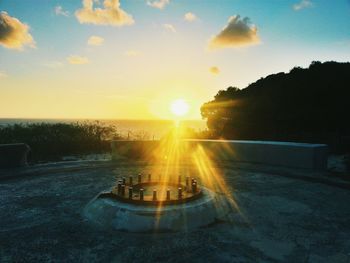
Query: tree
{"points": [[302, 105]]}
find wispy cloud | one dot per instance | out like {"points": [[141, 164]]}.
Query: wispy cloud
{"points": [[302, 5], [169, 27], [13, 33], [111, 14], [214, 70], [77, 60], [237, 33], [190, 17], [95, 41], [2, 74], [60, 11], [160, 4]]}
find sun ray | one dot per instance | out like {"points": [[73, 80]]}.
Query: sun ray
{"points": [[175, 156]]}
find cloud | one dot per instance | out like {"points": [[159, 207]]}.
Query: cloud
{"points": [[13, 33], [60, 12], [111, 14], [190, 17], [132, 53], [302, 4], [169, 27], [95, 41], [160, 4], [214, 70], [237, 33], [78, 60]]}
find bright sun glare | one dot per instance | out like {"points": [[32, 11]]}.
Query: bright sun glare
{"points": [[179, 107]]}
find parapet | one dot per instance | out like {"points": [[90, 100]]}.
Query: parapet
{"points": [[13, 155], [285, 154]]}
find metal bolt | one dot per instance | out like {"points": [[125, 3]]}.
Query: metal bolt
{"points": [[168, 194], [130, 192], [119, 187], [141, 194], [123, 189], [187, 182], [192, 180], [130, 180], [194, 187], [149, 177], [180, 192], [154, 194], [124, 180], [139, 178]]}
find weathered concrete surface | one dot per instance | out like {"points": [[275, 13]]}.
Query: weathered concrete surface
{"points": [[283, 219], [13, 155]]}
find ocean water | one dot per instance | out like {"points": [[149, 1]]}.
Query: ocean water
{"points": [[134, 129]]}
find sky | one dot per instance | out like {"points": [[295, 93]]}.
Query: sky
{"points": [[130, 59]]}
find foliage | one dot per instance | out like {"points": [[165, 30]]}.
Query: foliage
{"points": [[49, 141], [303, 105]]}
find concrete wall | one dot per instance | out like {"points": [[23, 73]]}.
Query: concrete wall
{"points": [[287, 154], [133, 149], [13, 155]]}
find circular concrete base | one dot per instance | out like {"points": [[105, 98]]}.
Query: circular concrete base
{"points": [[111, 213]]}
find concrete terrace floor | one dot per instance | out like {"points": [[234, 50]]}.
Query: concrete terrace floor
{"points": [[288, 216]]}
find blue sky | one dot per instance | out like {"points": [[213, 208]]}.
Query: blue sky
{"points": [[140, 68]]}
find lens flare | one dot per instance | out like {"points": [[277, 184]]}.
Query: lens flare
{"points": [[178, 157]]}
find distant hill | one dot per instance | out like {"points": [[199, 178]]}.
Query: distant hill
{"points": [[307, 104]]}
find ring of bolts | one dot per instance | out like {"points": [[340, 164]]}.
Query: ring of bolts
{"points": [[122, 184]]}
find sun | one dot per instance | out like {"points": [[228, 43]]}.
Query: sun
{"points": [[179, 107]]}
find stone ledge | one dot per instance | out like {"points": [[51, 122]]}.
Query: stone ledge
{"points": [[113, 214], [13, 155]]}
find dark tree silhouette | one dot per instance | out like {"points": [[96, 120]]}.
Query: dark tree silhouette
{"points": [[310, 105]]}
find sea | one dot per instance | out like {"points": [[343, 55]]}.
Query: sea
{"points": [[133, 129]]}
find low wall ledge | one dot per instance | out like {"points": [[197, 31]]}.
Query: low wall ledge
{"points": [[286, 154], [13, 155]]}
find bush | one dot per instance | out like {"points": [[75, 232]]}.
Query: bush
{"points": [[51, 141]]}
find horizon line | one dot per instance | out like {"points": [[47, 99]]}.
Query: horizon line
{"points": [[97, 119]]}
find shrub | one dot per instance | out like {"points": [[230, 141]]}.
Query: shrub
{"points": [[51, 141]]}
